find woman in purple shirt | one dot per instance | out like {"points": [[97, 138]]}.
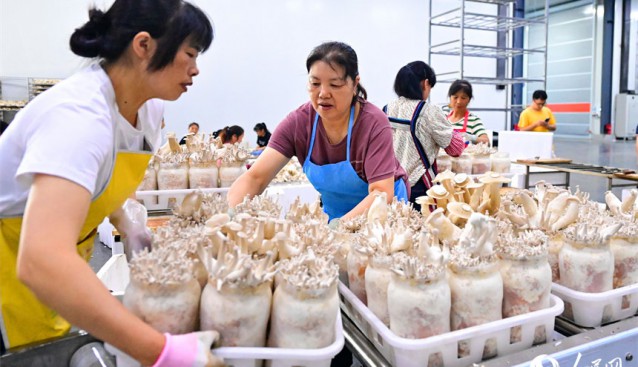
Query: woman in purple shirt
{"points": [[344, 142]]}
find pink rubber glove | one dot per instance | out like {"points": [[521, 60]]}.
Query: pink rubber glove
{"points": [[189, 350]]}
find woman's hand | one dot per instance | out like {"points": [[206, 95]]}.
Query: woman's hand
{"points": [[254, 181], [386, 185]]}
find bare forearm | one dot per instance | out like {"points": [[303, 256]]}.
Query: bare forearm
{"points": [[245, 185], [83, 300]]}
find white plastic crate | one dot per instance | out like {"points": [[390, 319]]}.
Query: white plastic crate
{"points": [[283, 357], [595, 309], [115, 276], [167, 199], [284, 193], [402, 352]]}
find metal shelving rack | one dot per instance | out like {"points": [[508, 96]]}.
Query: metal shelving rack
{"points": [[35, 87], [501, 19]]}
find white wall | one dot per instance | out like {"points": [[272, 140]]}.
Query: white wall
{"points": [[255, 69]]}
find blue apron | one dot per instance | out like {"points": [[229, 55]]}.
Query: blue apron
{"points": [[340, 186]]}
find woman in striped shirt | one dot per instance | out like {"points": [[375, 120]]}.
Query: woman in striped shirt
{"points": [[460, 117]]}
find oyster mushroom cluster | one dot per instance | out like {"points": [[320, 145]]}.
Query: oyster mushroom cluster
{"points": [[292, 172], [548, 208], [231, 154], [459, 193], [627, 208]]}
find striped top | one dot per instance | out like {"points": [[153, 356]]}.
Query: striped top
{"points": [[474, 123], [432, 130]]}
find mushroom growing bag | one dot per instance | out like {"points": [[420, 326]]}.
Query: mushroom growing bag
{"points": [[305, 303], [163, 292]]}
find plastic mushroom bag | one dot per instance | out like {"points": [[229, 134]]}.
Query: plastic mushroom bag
{"points": [[357, 262], [527, 276], [172, 173], [383, 240], [419, 297], [237, 299], [150, 176], [624, 246], [233, 163], [586, 261], [305, 303], [475, 280], [162, 290], [203, 172]]}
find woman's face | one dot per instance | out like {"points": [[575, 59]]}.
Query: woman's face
{"points": [[261, 133], [459, 100], [330, 91], [169, 83], [235, 139]]}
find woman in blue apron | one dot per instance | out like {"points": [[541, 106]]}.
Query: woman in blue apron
{"points": [[72, 157], [344, 142]]}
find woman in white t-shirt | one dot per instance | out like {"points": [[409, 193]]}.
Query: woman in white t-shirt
{"points": [[73, 156]]}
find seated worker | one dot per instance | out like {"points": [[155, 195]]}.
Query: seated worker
{"points": [[464, 121], [263, 135], [537, 117], [193, 129]]}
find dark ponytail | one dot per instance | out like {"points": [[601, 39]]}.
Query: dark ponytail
{"points": [[108, 34], [227, 133], [261, 126], [407, 83], [87, 41]]}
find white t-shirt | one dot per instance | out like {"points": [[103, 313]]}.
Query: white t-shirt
{"points": [[72, 131]]}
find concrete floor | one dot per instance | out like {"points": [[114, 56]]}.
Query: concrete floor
{"points": [[600, 150]]}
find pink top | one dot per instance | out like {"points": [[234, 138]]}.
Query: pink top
{"points": [[372, 155]]}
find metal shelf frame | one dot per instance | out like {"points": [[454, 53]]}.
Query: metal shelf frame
{"points": [[500, 19], [481, 22]]}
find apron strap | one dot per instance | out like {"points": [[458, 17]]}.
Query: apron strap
{"points": [[430, 170], [349, 137], [465, 119], [313, 135]]}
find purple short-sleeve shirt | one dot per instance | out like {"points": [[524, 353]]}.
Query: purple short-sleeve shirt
{"points": [[371, 155]]}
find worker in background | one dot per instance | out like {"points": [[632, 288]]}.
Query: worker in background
{"points": [[52, 198], [464, 121], [537, 117], [343, 141], [419, 127], [263, 135], [232, 134], [193, 129]]}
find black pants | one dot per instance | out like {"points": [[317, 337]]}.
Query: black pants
{"points": [[417, 190]]}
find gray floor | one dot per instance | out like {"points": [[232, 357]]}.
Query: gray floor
{"points": [[604, 151]]}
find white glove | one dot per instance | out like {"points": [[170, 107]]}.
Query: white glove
{"points": [[189, 350], [130, 221], [471, 138]]}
